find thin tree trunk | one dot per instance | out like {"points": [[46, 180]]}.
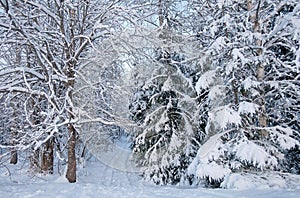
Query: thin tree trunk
{"points": [[260, 70], [262, 119], [14, 134], [70, 52], [160, 13]]}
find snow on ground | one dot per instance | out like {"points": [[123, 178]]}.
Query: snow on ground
{"points": [[112, 176], [99, 180]]}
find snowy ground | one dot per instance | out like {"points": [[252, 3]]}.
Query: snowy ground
{"points": [[113, 176]]}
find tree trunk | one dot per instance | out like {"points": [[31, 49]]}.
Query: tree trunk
{"points": [[72, 61], [14, 133], [160, 13], [34, 158], [13, 157], [260, 71], [262, 118], [47, 157], [71, 171], [14, 152]]}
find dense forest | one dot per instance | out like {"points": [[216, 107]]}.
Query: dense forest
{"points": [[202, 88]]}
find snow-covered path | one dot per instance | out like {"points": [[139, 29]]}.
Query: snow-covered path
{"points": [[99, 180], [116, 183], [112, 175]]}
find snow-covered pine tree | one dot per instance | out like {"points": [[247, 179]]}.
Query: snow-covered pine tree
{"points": [[282, 51], [167, 142], [164, 106], [241, 89]]}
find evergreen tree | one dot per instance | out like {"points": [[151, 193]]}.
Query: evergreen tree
{"points": [[168, 140], [164, 106], [241, 128]]}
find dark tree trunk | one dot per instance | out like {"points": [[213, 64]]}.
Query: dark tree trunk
{"points": [[71, 171], [14, 152], [47, 157], [14, 157], [34, 161], [14, 134]]}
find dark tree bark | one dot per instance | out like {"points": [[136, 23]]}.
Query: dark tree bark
{"points": [[34, 158], [71, 170], [14, 157], [47, 157]]}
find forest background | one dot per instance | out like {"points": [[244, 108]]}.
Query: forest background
{"points": [[203, 89]]}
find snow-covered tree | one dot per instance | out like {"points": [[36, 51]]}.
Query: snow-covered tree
{"points": [[166, 114], [97, 95], [165, 104], [214, 85], [55, 37], [253, 49]]}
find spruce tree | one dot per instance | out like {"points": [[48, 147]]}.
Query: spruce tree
{"points": [[253, 69]]}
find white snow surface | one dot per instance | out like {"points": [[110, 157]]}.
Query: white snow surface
{"points": [[102, 179]]}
